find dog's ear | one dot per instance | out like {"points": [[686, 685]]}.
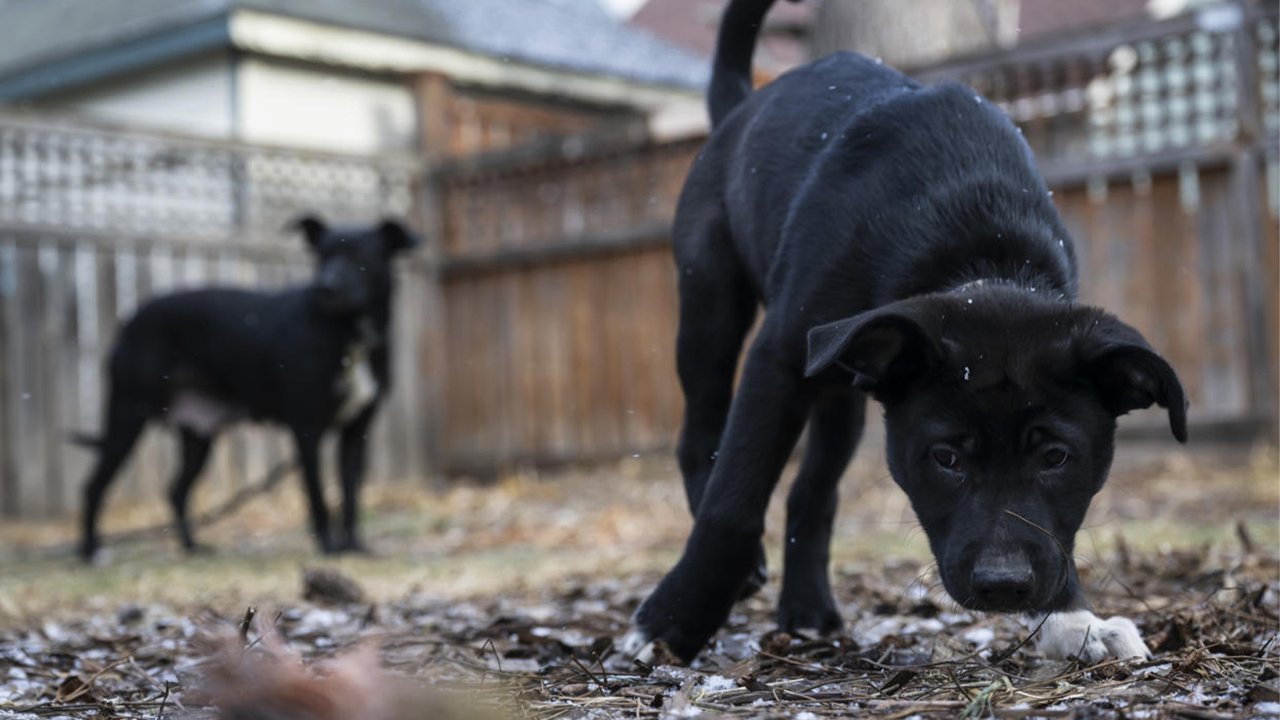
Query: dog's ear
{"points": [[312, 227], [1130, 375], [397, 237], [876, 349]]}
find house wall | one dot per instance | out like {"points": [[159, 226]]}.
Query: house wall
{"points": [[258, 100], [322, 108], [460, 120], [193, 96]]}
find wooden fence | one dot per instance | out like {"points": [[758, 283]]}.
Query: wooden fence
{"points": [[538, 326], [1162, 141], [558, 293], [1159, 139], [94, 221]]}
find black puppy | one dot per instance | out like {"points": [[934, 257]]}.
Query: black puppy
{"points": [[311, 359], [905, 248]]}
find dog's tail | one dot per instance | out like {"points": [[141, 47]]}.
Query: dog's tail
{"points": [[736, 43]]}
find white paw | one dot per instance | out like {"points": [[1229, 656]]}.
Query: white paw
{"points": [[1083, 635], [636, 644]]}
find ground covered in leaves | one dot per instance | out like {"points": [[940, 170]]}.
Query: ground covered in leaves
{"points": [[504, 601]]}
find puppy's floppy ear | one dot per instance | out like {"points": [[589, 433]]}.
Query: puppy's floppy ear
{"points": [[1130, 375], [397, 237], [312, 227], [875, 349]]}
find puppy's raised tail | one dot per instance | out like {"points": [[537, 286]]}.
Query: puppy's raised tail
{"points": [[736, 43]]}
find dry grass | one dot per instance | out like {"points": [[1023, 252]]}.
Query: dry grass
{"points": [[515, 589]]}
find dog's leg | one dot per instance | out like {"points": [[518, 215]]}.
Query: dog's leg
{"points": [[695, 597], [308, 445], [352, 443], [717, 307], [715, 315], [123, 427], [195, 452], [1075, 632], [835, 426], [1081, 634]]}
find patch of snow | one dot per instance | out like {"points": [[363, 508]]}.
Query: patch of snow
{"points": [[672, 674], [872, 630], [979, 636], [718, 683]]}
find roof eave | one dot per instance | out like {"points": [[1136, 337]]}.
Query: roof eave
{"points": [[301, 39], [296, 38], [101, 63]]}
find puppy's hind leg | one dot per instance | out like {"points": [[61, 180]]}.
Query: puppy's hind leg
{"points": [[717, 307], [124, 423], [835, 426], [195, 453]]}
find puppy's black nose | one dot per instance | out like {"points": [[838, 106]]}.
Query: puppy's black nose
{"points": [[1002, 580]]}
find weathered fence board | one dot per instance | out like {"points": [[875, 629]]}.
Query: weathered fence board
{"points": [[61, 300], [560, 295], [540, 326], [96, 220]]}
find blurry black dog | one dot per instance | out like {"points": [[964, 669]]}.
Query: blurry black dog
{"points": [[311, 359], [904, 247]]}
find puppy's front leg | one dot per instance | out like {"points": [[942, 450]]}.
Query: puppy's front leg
{"points": [[308, 445], [1075, 632], [695, 597], [835, 426], [352, 444]]}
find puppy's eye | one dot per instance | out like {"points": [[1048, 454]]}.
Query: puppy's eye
{"points": [[946, 458], [1054, 457]]}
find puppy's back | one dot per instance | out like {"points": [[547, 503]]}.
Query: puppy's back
{"points": [[212, 332]]}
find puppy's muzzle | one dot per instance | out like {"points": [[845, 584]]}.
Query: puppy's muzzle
{"points": [[336, 292], [1002, 579]]}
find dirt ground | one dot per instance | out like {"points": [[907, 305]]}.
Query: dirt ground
{"points": [[502, 600]]}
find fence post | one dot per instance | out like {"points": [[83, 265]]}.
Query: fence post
{"points": [[1246, 190], [434, 96], [8, 465]]}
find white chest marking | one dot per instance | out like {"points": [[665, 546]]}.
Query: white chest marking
{"points": [[356, 385], [201, 413]]}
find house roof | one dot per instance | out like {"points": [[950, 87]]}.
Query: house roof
{"points": [[573, 35]]}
